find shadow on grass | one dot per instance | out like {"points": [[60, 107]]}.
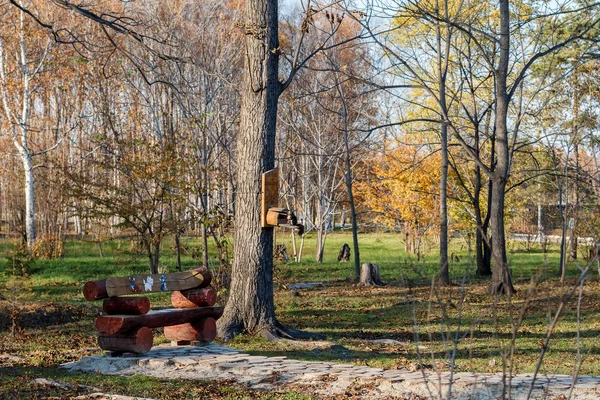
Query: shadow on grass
{"points": [[33, 317]]}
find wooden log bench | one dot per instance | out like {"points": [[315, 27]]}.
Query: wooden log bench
{"points": [[127, 322]]}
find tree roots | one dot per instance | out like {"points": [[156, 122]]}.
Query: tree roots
{"points": [[272, 332], [278, 331]]}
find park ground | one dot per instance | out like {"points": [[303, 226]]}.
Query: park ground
{"points": [[44, 320]]}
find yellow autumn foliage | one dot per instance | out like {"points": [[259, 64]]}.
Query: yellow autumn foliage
{"points": [[403, 189]]}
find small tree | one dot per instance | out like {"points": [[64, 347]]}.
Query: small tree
{"points": [[139, 189]]}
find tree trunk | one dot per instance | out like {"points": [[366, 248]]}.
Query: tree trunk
{"points": [[156, 256], [563, 202], [178, 250], [204, 240], [575, 215], [320, 245], [348, 178], [299, 256], [250, 306], [444, 271], [29, 200], [442, 58], [153, 250], [501, 279], [483, 249]]}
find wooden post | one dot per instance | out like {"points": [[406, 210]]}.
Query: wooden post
{"points": [[137, 341]]}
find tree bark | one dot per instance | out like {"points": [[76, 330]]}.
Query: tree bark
{"points": [[501, 279], [250, 306]]}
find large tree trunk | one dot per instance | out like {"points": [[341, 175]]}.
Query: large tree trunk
{"points": [[250, 306], [501, 279]]}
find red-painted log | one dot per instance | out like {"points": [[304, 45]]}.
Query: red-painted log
{"points": [[95, 290], [135, 284], [202, 331], [194, 298], [113, 324], [137, 341], [126, 305]]}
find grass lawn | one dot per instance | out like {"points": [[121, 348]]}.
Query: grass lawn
{"points": [[45, 320]]}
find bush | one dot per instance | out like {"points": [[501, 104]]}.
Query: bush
{"points": [[48, 247], [19, 260]]}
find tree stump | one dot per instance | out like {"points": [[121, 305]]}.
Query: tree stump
{"points": [[369, 275], [344, 253]]}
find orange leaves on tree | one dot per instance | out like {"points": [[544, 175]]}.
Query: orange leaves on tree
{"points": [[403, 189]]}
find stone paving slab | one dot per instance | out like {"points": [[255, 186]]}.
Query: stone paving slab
{"points": [[213, 361]]}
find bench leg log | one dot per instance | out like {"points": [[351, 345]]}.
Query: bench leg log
{"points": [[114, 324], [202, 331], [136, 341], [194, 298]]}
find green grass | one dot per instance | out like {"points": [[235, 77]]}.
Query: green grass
{"points": [[55, 325]]}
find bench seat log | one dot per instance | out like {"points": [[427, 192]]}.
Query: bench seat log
{"points": [[136, 341], [194, 298], [115, 324], [204, 330], [136, 284]]}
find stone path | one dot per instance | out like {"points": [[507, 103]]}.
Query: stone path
{"points": [[213, 361]]}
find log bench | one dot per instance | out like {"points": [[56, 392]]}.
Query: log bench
{"points": [[127, 322]]}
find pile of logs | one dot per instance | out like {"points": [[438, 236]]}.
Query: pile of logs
{"points": [[127, 322]]}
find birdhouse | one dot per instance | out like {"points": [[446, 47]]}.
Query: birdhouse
{"points": [[272, 215], [284, 218]]}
